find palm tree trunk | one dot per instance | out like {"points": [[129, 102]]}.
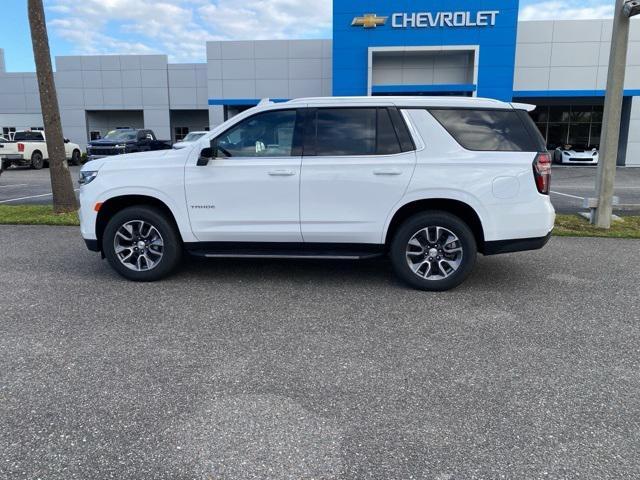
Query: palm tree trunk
{"points": [[64, 198]]}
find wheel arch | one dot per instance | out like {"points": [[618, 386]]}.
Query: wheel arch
{"points": [[456, 207], [118, 203]]}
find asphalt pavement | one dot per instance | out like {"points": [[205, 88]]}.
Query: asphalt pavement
{"points": [[569, 185], [24, 186], [306, 369]]}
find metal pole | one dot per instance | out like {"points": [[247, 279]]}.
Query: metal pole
{"points": [[601, 215]]}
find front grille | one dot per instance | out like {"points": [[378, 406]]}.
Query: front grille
{"points": [[581, 159], [103, 151]]}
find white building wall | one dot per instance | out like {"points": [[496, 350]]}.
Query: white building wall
{"points": [[19, 101], [633, 144], [112, 82], [188, 86], [250, 70], [570, 55]]}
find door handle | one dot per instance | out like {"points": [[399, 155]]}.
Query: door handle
{"points": [[391, 171], [281, 173]]}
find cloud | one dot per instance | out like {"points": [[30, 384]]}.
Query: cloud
{"points": [[566, 10], [180, 28]]}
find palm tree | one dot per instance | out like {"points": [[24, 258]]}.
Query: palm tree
{"points": [[64, 198]]}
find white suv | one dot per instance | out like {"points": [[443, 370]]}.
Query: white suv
{"points": [[428, 181]]}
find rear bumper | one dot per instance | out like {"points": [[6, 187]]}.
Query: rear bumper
{"points": [[515, 245], [14, 159]]}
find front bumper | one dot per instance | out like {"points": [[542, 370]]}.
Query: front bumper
{"points": [[92, 245], [579, 160]]}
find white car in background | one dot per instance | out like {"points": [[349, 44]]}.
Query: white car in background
{"points": [[29, 149], [190, 139], [575, 155]]}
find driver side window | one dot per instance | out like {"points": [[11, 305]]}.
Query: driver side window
{"points": [[268, 134]]}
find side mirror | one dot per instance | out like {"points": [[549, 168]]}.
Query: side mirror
{"points": [[66, 140], [205, 156]]}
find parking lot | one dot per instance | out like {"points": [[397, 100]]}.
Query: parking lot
{"points": [[569, 185], [302, 369], [23, 186]]}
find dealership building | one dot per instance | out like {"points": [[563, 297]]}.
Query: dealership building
{"points": [[378, 47]]}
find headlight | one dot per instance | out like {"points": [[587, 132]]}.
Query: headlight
{"points": [[121, 146], [565, 153], [87, 177]]}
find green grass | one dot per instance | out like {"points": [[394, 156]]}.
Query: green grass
{"points": [[566, 225], [35, 215], [576, 226]]}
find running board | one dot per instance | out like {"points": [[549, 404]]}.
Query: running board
{"points": [[284, 250]]}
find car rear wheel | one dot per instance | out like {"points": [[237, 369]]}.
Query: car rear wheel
{"points": [[141, 244], [433, 251], [37, 162]]}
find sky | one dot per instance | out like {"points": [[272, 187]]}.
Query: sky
{"points": [[180, 28]]}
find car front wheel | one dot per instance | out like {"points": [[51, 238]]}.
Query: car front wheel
{"points": [[141, 244], [433, 251]]}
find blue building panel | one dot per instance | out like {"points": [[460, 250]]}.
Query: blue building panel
{"points": [[489, 25]]}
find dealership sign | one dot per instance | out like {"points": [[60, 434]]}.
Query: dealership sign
{"points": [[483, 18]]}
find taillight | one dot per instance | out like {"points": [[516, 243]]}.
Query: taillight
{"points": [[21, 147], [542, 172]]}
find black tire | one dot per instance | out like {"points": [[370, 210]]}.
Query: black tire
{"points": [[557, 157], [75, 158], [172, 244], [37, 162], [445, 276]]}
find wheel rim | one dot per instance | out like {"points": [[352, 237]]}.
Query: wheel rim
{"points": [[434, 253], [138, 245]]}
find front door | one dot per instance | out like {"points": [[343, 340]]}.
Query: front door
{"points": [[250, 192]]}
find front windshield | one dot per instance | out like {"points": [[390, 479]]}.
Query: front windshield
{"points": [[120, 135], [193, 136]]}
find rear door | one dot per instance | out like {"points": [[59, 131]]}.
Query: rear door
{"points": [[356, 166]]}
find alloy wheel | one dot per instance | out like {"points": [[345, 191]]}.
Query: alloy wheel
{"points": [[138, 245], [434, 253]]}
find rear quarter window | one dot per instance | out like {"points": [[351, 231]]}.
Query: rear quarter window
{"points": [[28, 137], [489, 130]]}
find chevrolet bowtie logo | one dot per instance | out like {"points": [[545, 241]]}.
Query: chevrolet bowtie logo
{"points": [[369, 20]]}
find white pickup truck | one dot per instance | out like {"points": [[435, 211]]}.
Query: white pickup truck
{"points": [[29, 148]]}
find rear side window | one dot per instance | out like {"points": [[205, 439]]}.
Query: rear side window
{"points": [[488, 130], [354, 131], [346, 131], [28, 137]]}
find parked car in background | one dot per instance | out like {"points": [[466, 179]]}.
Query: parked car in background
{"points": [[575, 155], [429, 181], [189, 140], [29, 148], [125, 140]]}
